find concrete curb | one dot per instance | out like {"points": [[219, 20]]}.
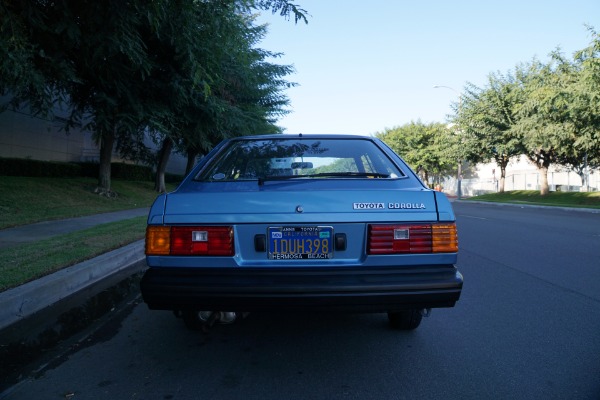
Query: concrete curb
{"points": [[26, 300]]}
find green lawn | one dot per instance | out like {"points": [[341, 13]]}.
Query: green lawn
{"points": [[26, 262], [28, 200], [557, 199]]}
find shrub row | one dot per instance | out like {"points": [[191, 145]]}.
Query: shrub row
{"points": [[26, 167], [36, 168]]}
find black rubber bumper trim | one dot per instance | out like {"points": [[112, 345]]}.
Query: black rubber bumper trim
{"points": [[340, 289]]}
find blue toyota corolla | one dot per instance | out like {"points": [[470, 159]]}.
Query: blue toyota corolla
{"points": [[301, 222]]}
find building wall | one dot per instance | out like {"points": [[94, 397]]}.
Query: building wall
{"points": [[23, 135]]}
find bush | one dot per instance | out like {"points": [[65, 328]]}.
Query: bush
{"points": [[131, 172], [173, 178], [36, 168], [89, 169]]}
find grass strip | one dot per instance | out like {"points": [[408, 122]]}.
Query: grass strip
{"points": [[25, 200], [533, 197], [26, 262]]}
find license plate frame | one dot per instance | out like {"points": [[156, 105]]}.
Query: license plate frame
{"points": [[306, 242]]}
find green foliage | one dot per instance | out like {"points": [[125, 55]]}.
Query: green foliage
{"points": [[432, 150], [28, 70], [548, 112], [341, 165], [485, 118], [283, 7], [174, 179], [583, 90], [130, 172], [554, 121], [541, 115], [55, 169], [27, 167], [245, 91], [184, 70]]}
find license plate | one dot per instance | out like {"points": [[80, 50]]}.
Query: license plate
{"points": [[300, 242]]}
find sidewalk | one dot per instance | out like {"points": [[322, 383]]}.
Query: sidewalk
{"points": [[20, 303], [48, 229]]}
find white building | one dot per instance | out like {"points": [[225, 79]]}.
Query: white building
{"points": [[521, 174]]}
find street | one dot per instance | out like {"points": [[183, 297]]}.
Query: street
{"points": [[527, 326]]}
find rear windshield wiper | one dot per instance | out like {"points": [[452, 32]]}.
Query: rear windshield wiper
{"points": [[262, 180]]}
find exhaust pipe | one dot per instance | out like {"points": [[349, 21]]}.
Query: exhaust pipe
{"points": [[222, 317], [425, 312], [210, 318]]}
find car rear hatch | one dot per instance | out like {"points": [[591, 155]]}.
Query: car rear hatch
{"points": [[303, 205], [349, 218]]}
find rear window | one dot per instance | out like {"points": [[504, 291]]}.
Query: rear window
{"points": [[300, 158]]}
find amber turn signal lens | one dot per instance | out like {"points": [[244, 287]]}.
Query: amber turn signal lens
{"points": [[445, 238], [158, 240]]}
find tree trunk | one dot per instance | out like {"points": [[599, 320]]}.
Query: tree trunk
{"points": [[542, 159], [107, 141], [191, 160], [584, 184], [544, 188], [502, 181], [163, 159]]}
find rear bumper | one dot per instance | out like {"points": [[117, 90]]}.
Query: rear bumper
{"points": [[340, 289]]}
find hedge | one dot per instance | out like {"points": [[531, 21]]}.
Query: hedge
{"points": [[36, 168], [26, 167]]}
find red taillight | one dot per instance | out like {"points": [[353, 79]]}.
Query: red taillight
{"points": [[412, 239], [191, 241]]}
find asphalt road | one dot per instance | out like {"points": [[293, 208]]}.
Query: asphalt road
{"points": [[527, 327]]}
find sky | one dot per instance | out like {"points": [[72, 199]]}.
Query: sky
{"points": [[366, 66]]}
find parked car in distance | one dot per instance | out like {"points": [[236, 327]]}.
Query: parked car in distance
{"points": [[333, 223]]}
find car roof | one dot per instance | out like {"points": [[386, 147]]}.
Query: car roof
{"points": [[302, 136]]}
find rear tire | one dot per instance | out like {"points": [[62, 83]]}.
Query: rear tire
{"points": [[405, 320]]}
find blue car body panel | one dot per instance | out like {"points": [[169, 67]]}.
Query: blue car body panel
{"points": [[351, 280]]}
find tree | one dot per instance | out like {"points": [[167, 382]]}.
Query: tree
{"points": [[485, 117], [540, 117], [581, 82], [99, 57], [246, 91], [28, 71], [283, 7], [88, 54], [548, 112], [428, 148]]}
